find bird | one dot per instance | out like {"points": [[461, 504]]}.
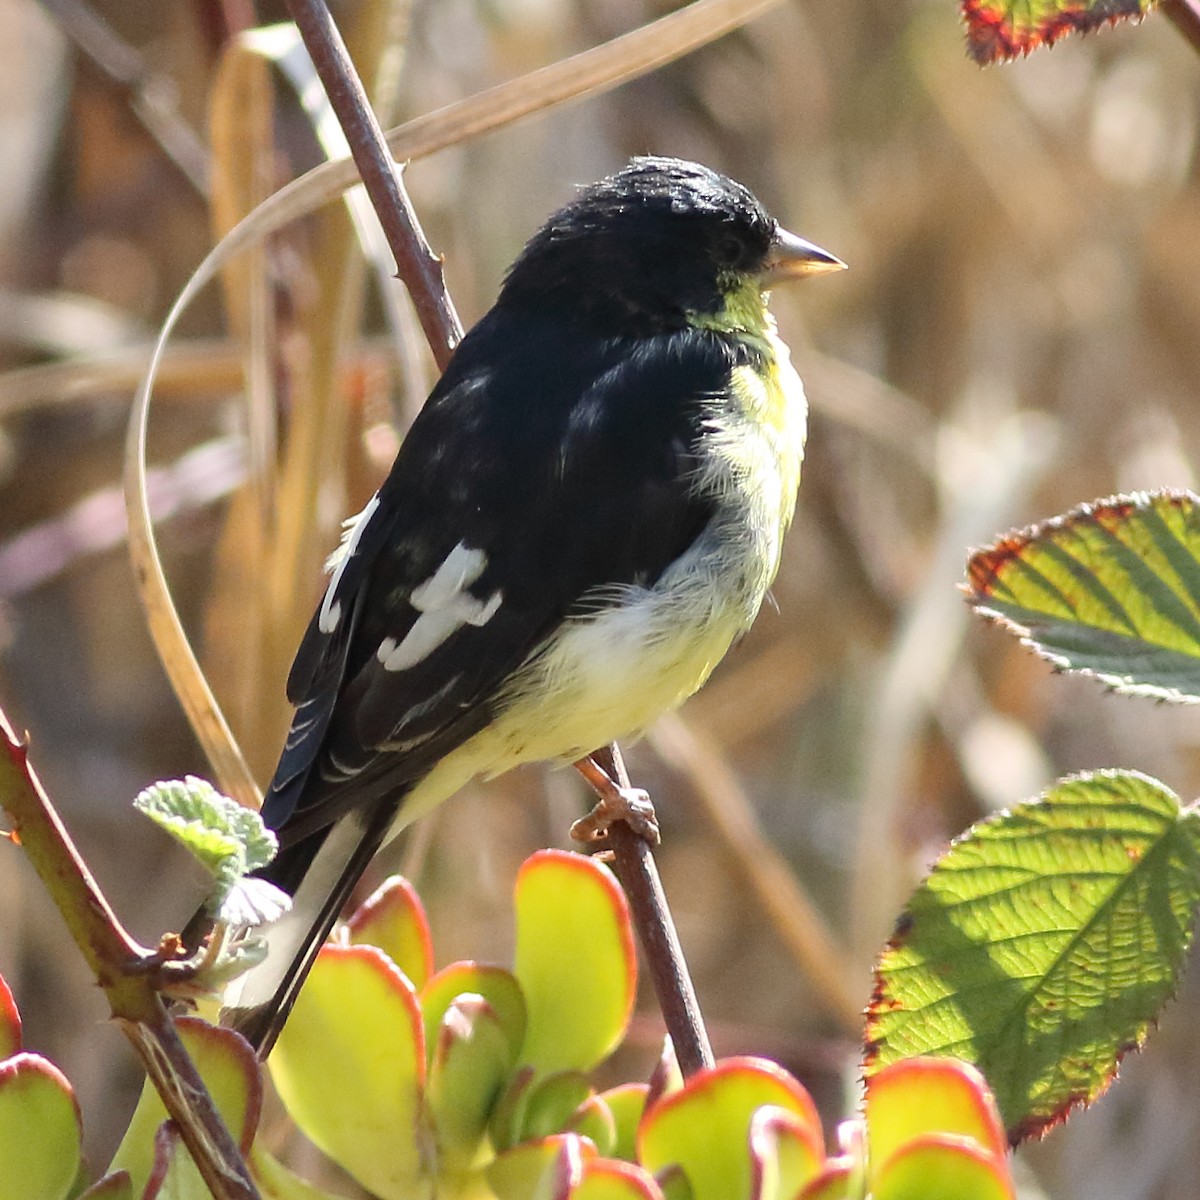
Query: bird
{"points": [[585, 515]]}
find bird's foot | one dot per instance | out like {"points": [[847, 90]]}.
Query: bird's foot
{"points": [[616, 803]]}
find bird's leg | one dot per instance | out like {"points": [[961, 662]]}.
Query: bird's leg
{"points": [[616, 803]]}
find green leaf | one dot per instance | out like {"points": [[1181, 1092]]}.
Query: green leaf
{"points": [[227, 839], [116, 1186], [787, 1153], [548, 1169], [627, 1104], [574, 960], [174, 1175], [393, 919], [1003, 29], [230, 1072], [1044, 943], [496, 985], [942, 1168], [917, 1097], [552, 1103], [276, 1182], [350, 1068], [705, 1128], [605, 1179], [10, 1022], [472, 1056], [39, 1130], [1112, 589]]}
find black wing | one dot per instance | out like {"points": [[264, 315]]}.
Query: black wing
{"points": [[555, 462]]}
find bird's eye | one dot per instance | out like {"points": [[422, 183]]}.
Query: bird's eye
{"points": [[729, 250]]}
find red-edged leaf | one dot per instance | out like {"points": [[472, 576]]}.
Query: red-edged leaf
{"points": [[942, 1168], [230, 1072], [786, 1154], [10, 1022], [39, 1130], [496, 985], [116, 1186], [606, 1179], [543, 1170], [393, 919], [471, 1059], [998, 30], [574, 959], [705, 1128], [919, 1096], [350, 1067]]}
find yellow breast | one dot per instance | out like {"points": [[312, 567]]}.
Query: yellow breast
{"points": [[608, 676]]}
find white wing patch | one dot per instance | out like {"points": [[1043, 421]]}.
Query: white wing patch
{"points": [[445, 606], [331, 608]]}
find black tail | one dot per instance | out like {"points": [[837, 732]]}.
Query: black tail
{"points": [[319, 873]]}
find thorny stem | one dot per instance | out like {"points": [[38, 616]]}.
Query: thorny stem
{"points": [[421, 273], [127, 972], [417, 266]]}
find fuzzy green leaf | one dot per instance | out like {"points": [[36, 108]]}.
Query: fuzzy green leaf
{"points": [[1112, 589], [1003, 29], [1044, 943], [226, 838]]}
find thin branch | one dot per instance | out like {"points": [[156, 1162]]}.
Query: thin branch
{"points": [[128, 973], [638, 873], [418, 267]]}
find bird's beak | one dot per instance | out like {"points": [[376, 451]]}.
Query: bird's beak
{"points": [[791, 257]]}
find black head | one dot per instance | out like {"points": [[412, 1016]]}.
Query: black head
{"points": [[645, 247]]}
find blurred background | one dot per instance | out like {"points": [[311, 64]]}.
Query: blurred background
{"points": [[1017, 334]]}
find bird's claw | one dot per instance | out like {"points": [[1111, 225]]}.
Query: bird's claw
{"points": [[628, 804]]}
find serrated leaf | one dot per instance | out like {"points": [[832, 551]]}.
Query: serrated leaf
{"points": [[1111, 589], [998, 30], [226, 838], [1044, 943]]}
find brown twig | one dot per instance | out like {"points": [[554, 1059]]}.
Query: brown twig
{"points": [[1185, 16], [417, 266], [128, 973], [638, 873]]}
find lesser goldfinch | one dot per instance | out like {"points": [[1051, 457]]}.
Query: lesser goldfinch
{"points": [[585, 515]]}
